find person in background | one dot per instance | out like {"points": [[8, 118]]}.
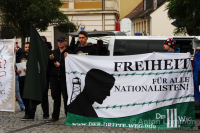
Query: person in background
{"points": [[19, 52], [85, 48], [169, 46], [73, 46], [45, 101], [29, 114], [102, 50], [48, 44]]}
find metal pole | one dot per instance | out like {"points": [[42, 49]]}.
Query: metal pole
{"points": [[103, 4], [103, 15]]}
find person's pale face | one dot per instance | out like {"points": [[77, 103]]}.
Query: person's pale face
{"points": [[82, 39], [61, 44], [27, 48]]}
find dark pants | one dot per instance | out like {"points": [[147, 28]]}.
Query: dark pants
{"points": [[45, 101], [58, 86], [28, 112]]}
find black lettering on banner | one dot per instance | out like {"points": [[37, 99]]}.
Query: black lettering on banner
{"points": [[185, 63], [139, 65], [144, 65], [147, 65], [187, 79], [127, 65], [117, 88], [159, 64], [168, 64], [172, 81], [176, 63], [116, 66], [151, 88]]}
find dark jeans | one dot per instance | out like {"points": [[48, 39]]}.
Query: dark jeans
{"points": [[45, 101], [28, 112], [58, 86]]}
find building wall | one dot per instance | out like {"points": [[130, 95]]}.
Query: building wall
{"points": [[87, 14], [126, 6], [77, 5], [160, 24], [140, 25]]}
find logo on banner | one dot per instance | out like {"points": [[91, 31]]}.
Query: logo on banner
{"points": [[173, 120]]}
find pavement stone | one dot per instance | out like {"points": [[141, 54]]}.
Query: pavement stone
{"points": [[11, 123]]}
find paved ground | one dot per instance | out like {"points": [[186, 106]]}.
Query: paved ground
{"points": [[11, 123]]}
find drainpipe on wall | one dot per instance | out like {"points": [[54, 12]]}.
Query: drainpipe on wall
{"points": [[103, 5], [103, 15]]}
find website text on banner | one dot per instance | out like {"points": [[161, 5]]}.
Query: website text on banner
{"points": [[7, 75], [153, 91]]}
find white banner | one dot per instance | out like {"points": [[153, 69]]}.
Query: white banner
{"points": [[142, 82], [7, 75]]}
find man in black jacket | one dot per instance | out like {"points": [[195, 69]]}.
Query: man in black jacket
{"points": [[58, 78], [85, 48]]}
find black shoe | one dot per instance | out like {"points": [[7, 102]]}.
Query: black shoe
{"points": [[26, 118], [51, 120], [45, 118]]}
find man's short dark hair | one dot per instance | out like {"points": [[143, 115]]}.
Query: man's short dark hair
{"points": [[27, 43], [99, 41], [83, 33], [44, 38]]}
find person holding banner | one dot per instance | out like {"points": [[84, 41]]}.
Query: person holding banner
{"points": [[85, 48], [58, 78], [169, 46]]}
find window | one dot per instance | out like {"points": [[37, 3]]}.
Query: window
{"points": [[132, 47], [149, 26], [142, 27], [144, 5], [155, 4], [139, 27]]}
